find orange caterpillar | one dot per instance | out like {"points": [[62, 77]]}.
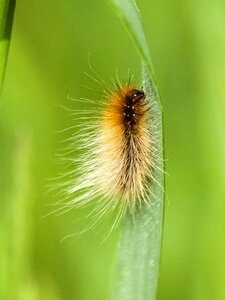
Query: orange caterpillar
{"points": [[114, 171]]}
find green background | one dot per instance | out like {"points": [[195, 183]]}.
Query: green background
{"points": [[49, 53]]}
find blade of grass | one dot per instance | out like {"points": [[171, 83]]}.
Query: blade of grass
{"points": [[137, 268], [128, 12], [7, 8]]}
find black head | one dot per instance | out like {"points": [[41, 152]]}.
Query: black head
{"points": [[137, 95]]}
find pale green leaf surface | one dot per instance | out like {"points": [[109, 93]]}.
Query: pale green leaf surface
{"points": [[128, 11], [137, 269]]}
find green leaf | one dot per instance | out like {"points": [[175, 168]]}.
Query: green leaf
{"points": [[137, 269], [7, 8], [128, 12]]}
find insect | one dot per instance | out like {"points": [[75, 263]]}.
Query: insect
{"points": [[116, 160]]}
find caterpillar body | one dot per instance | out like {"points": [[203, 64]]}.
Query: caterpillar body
{"points": [[117, 160]]}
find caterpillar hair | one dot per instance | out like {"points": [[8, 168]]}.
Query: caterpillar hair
{"points": [[113, 154]]}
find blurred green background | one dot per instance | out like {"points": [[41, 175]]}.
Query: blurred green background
{"points": [[50, 46]]}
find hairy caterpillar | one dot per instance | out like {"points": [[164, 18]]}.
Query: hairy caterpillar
{"points": [[117, 154]]}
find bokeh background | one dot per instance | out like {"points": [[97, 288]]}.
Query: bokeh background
{"points": [[49, 53]]}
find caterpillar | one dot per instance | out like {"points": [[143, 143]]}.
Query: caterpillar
{"points": [[116, 162]]}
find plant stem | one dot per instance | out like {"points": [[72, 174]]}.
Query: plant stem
{"points": [[7, 8], [138, 259]]}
